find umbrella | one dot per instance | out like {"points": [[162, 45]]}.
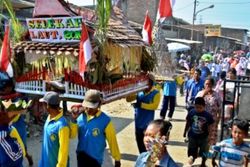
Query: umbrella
{"points": [[177, 47], [207, 57]]}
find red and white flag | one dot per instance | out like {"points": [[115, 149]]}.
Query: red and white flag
{"points": [[147, 30], [85, 50], [165, 9], [5, 54]]}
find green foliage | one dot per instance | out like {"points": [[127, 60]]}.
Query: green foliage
{"points": [[98, 73], [103, 10], [16, 26]]}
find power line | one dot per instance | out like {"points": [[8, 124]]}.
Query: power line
{"points": [[228, 3], [184, 7]]}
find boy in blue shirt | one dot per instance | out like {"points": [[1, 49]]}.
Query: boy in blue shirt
{"points": [[197, 124], [234, 151]]}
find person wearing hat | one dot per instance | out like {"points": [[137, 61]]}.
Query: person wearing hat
{"points": [[55, 147], [147, 102], [12, 149], [94, 127]]}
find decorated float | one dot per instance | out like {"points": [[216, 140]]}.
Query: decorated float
{"points": [[50, 59]]}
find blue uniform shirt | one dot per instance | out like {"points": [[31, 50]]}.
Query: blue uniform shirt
{"points": [[91, 135], [143, 116], [20, 126], [193, 88], [169, 88], [50, 146], [11, 154]]}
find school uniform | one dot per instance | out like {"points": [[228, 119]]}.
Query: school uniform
{"points": [[55, 147], [11, 147], [145, 106], [93, 131]]}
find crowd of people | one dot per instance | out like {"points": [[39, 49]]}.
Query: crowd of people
{"points": [[203, 97]]}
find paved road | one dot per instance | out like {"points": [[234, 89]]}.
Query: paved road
{"points": [[122, 116]]}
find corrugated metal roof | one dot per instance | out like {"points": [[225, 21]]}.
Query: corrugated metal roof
{"points": [[183, 41]]}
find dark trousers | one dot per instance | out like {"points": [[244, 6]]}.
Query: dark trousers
{"points": [[198, 147], [139, 135], [168, 100], [84, 160], [182, 89]]}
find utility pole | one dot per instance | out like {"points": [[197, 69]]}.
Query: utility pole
{"points": [[194, 15]]}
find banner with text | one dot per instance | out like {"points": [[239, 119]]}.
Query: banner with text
{"points": [[212, 30], [57, 29]]}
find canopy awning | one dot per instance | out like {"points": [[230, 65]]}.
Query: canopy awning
{"points": [[177, 47], [183, 41]]}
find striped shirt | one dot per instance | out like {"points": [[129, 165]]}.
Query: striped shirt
{"points": [[232, 155]]}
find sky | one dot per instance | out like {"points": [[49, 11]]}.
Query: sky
{"points": [[227, 13]]}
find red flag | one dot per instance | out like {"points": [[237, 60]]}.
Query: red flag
{"points": [[85, 50], [5, 54], [165, 9], [147, 30]]}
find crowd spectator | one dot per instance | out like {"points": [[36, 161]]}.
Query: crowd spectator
{"points": [[193, 86], [197, 124], [155, 139], [219, 85], [213, 106], [233, 151]]}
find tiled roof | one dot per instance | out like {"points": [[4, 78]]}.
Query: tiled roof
{"points": [[119, 30], [38, 47]]}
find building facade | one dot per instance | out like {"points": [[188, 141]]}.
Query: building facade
{"points": [[136, 9]]}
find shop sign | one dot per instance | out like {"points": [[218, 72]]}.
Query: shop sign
{"points": [[212, 30], [55, 30]]}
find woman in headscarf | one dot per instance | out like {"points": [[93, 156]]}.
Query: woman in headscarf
{"points": [[213, 106]]}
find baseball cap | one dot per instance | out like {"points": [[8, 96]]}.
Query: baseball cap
{"points": [[92, 99], [51, 98]]}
